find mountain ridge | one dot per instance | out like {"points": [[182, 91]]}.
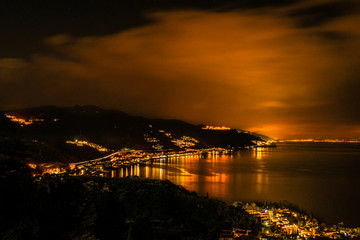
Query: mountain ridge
{"points": [[48, 128]]}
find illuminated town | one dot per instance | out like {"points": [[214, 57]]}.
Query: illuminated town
{"points": [[22, 121], [285, 223], [89, 144], [128, 157], [207, 127]]}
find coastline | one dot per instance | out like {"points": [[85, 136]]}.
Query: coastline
{"points": [[255, 175], [134, 202]]}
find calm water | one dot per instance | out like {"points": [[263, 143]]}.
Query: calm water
{"points": [[323, 178]]}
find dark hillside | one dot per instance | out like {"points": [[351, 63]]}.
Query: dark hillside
{"points": [[43, 133], [60, 207]]}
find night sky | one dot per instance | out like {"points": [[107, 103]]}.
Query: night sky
{"points": [[285, 68]]}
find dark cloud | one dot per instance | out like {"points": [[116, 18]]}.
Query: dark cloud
{"points": [[253, 4], [334, 36], [26, 23], [322, 13], [265, 3]]}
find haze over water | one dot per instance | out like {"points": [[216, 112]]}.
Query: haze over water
{"points": [[322, 178]]}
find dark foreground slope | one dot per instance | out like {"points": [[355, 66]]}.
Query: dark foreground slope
{"points": [[56, 207], [44, 140]]}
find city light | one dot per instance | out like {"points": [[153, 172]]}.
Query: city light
{"points": [[207, 127], [89, 144], [22, 121]]}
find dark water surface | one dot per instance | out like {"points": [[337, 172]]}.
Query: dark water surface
{"points": [[323, 178]]}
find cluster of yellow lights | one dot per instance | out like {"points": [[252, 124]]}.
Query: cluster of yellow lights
{"points": [[207, 127], [21, 121], [185, 142], [89, 144], [150, 139], [264, 143], [278, 217], [46, 168], [31, 165], [303, 226], [54, 170]]}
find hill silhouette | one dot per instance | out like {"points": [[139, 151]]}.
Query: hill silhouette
{"points": [[45, 138]]}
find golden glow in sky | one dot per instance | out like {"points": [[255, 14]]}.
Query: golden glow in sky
{"points": [[256, 69]]}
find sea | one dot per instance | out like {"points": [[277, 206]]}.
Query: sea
{"points": [[322, 178]]}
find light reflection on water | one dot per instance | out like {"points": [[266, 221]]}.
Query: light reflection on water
{"points": [[208, 175], [322, 178]]}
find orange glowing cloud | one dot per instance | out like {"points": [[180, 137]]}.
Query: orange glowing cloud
{"points": [[251, 70]]}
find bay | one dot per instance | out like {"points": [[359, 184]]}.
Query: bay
{"points": [[322, 178]]}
